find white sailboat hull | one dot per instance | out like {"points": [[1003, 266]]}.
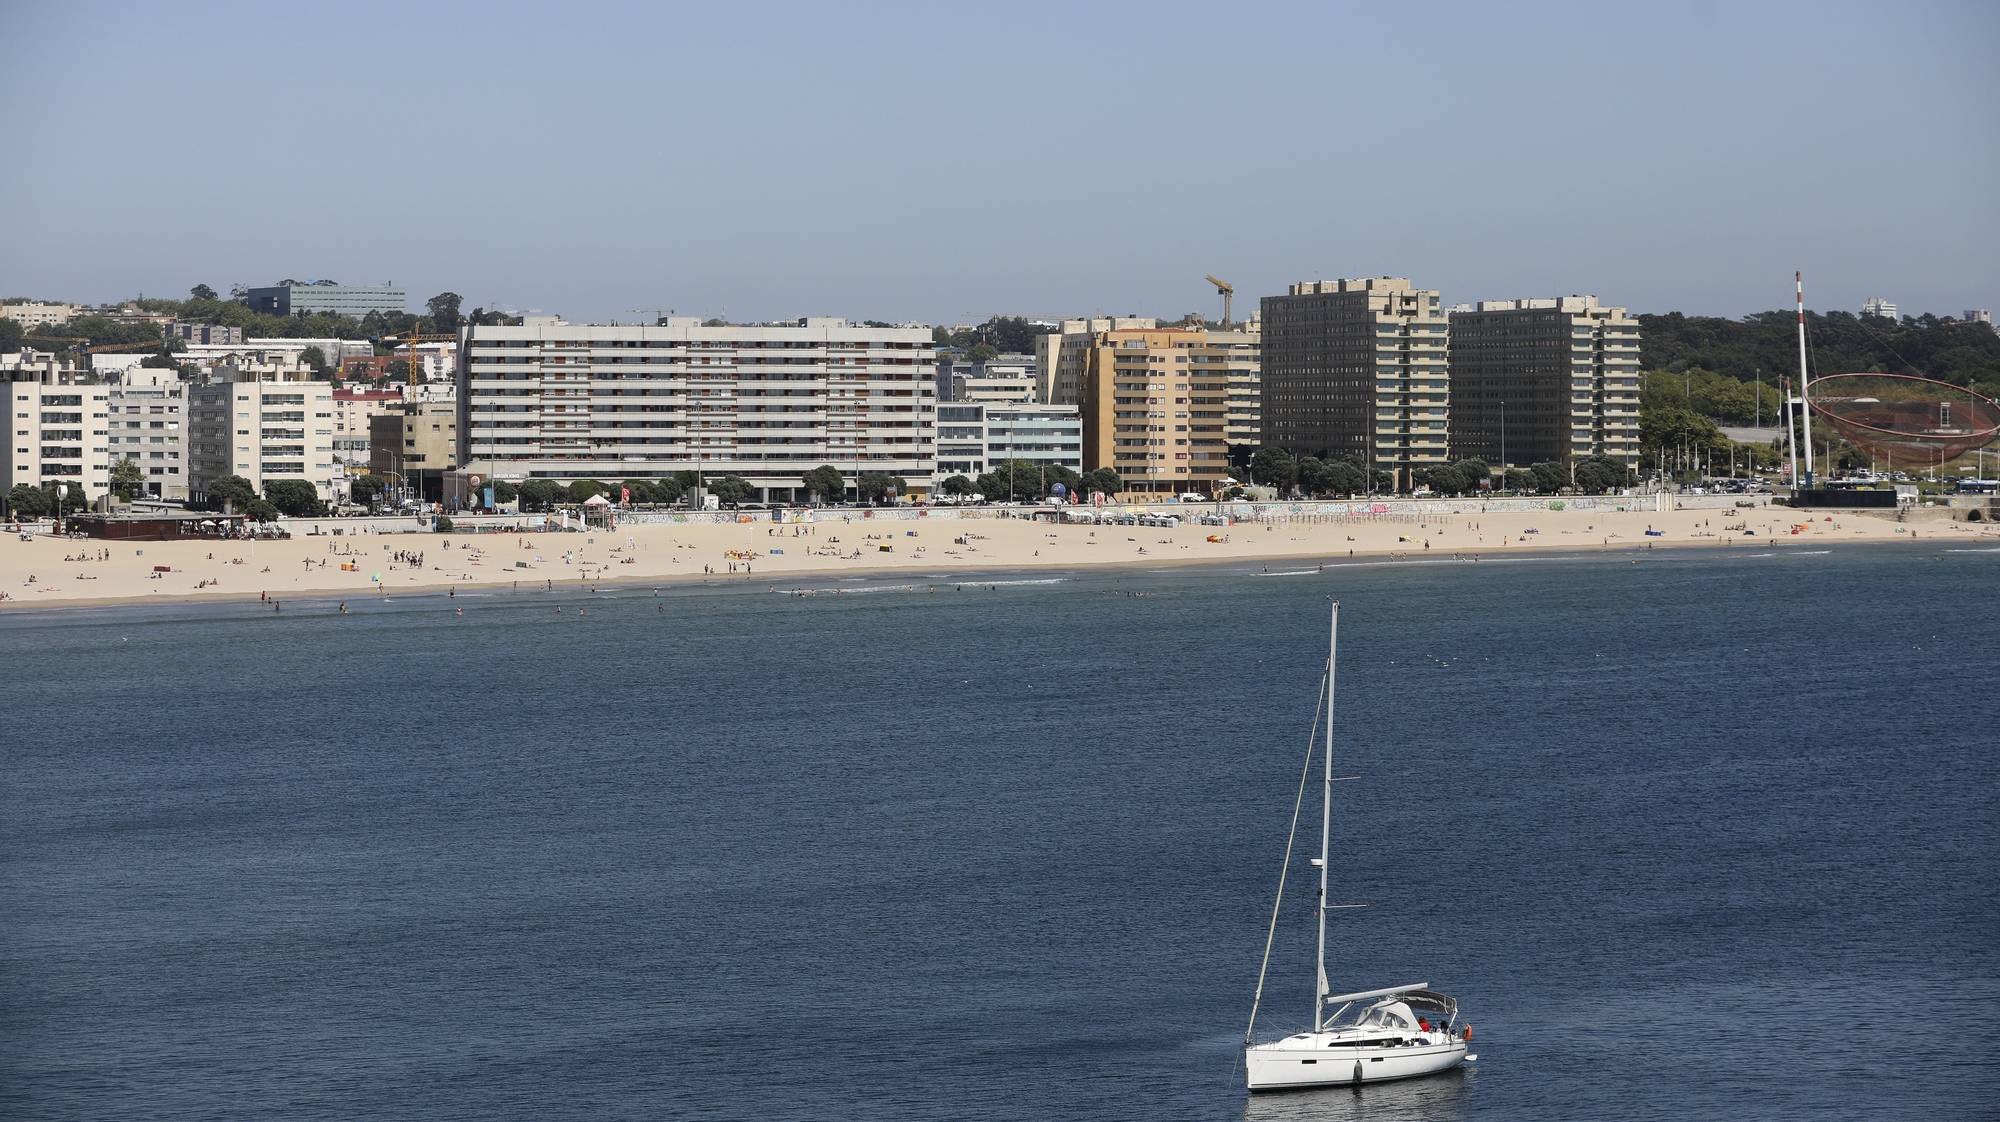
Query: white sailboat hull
{"points": [[1313, 1063]]}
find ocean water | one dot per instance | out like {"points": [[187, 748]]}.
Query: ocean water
{"points": [[1689, 836]]}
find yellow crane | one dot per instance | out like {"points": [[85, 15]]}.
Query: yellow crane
{"points": [[411, 339], [1228, 291]]}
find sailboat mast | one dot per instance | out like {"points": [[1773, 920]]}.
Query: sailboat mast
{"points": [[1805, 380], [1326, 821]]}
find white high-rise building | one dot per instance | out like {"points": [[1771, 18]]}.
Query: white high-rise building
{"points": [[1979, 315], [1878, 307], [57, 430], [764, 402], [261, 430], [148, 421]]}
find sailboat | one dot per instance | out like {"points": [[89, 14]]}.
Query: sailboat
{"points": [[1368, 1037]]}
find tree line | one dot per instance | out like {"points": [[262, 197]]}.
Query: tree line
{"points": [[1961, 352]]}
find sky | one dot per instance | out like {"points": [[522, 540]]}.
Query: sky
{"points": [[946, 162]]}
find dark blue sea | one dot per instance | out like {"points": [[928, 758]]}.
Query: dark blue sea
{"points": [[1689, 835]]}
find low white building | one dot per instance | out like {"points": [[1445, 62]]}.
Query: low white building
{"points": [[273, 350], [1000, 380], [973, 437], [58, 429], [148, 423], [262, 431]]}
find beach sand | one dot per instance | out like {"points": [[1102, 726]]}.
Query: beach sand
{"points": [[848, 545]]}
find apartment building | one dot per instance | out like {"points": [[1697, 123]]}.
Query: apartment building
{"points": [[262, 429], [1007, 379], [58, 429], [33, 314], [413, 438], [1878, 308], [765, 402], [148, 409], [1060, 354], [207, 334], [1544, 380], [1231, 363], [354, 413], [355, 300], [974, 436], [1153, 412], [1357, 367]]}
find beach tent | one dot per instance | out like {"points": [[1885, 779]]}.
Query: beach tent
{"points": [[597, 500]]}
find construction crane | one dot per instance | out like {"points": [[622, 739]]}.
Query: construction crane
{"points": [[1228, 291], [411, 339]]}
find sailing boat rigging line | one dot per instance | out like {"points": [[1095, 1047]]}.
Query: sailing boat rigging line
{"points": [[1298, 806], [1373, 1035]]}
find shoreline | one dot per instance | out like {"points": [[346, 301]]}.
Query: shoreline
{"points": [[956, 569]]}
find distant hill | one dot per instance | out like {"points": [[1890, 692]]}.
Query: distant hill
{"points": [[1949, 350]]}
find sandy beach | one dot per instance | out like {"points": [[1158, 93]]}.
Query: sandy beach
{"points": [[49, 571]]}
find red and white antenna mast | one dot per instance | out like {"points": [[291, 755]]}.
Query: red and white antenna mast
{"points": [[1805, 380]]}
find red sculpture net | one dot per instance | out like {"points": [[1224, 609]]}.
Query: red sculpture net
{"points": [[1904, 419]]}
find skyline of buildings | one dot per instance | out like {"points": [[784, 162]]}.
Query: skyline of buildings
{"points": [[1374, 367]]}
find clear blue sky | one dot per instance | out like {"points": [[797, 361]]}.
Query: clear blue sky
{"points": [[944, 162]]}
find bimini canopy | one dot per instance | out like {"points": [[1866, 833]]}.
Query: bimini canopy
{"points": [[1431, 1001]]}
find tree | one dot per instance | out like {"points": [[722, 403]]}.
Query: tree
{"points": [[366, 489], [957, 486], [1519, 480], [504, 492], [11, 334], [1345, 478], [1444, 479], [65, 498], [731, 490], [1550, 477], [1315, 476], [1598, 474], [1103, 480], [875, 486], [233, 490], [398, 371], [585, 488], [1475, 472], [314, 358], [540, 494], [201, 292], [26, 501], [824, 483], [444, 311], [263, 510], [163, 360], [294, 497], [1274, 467], [668, 489], [127, 478]]}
